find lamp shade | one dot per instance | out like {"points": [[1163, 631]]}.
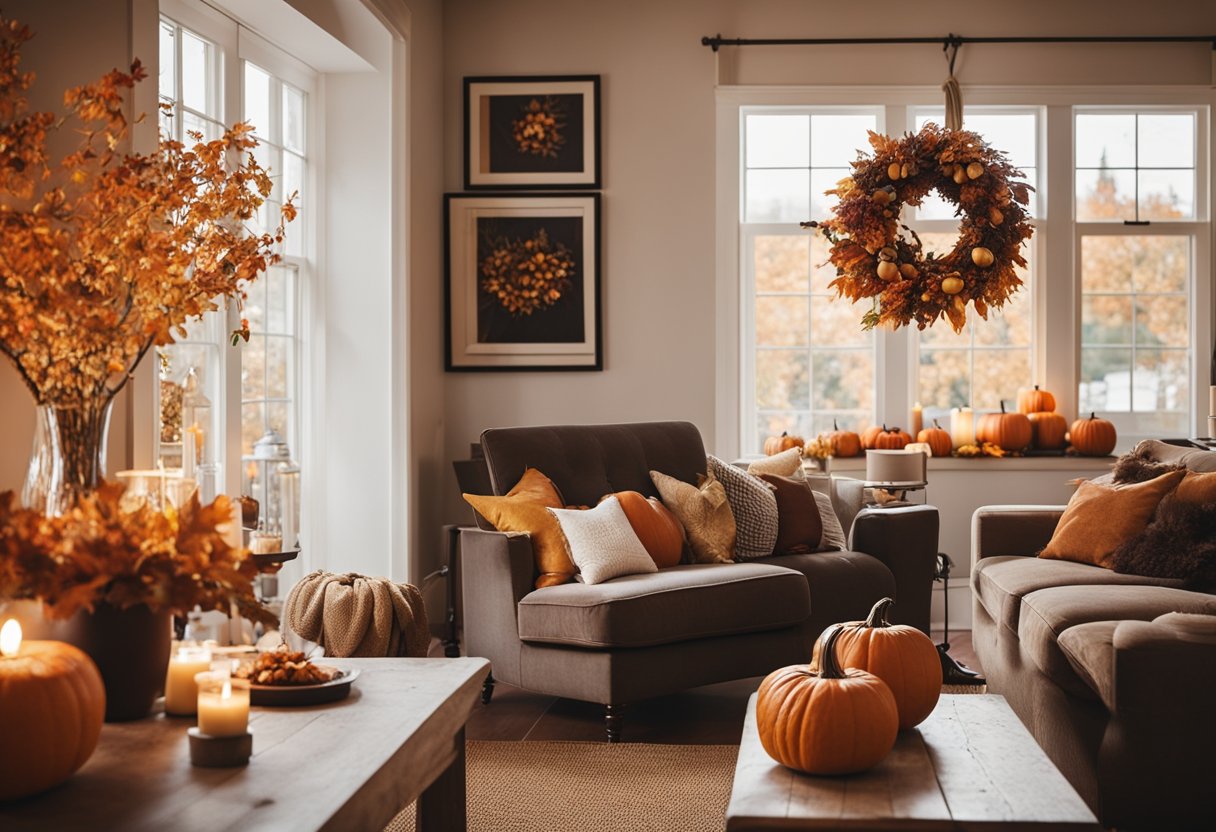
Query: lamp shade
{"points": [[896, 468]]}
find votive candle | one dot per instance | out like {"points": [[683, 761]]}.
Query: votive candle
{"points": [[962, 426], [181, 691], [223, 705]]}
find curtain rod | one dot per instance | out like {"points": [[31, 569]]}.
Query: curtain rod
{"points": [[717, 41]]}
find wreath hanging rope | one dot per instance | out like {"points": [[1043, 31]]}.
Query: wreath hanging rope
{"points": [[873, 259]]}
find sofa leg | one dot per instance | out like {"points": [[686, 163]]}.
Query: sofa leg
{"points": [[487, 690], [613, 721]]}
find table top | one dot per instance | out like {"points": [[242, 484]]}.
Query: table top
{"points": [[971, 765], [347, 765]]}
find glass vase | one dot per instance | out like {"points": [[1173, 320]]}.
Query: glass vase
{"points": [[68, 457]]}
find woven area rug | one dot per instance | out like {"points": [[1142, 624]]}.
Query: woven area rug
{"points": [[594, 787]]}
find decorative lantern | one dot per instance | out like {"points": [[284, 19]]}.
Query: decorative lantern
{"points": [[273, 479], [196, 420]]}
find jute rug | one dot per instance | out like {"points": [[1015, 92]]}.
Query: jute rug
{"points": [[594, 787]]}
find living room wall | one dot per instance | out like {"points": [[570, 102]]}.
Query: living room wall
{"points": [[658, 102]]}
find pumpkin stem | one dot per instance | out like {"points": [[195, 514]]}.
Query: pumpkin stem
{"points": [[1002, 405], [829, 665], [878, 614], [936, 425], [834, 425], [1093, 415]]}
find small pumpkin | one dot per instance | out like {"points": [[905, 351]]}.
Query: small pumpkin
{"points": [[1008, 431], [891, 439], [939, 440], [776, 444], [869, 435], [1035, 400], [1093, 436], [845, 443], [1047, 430], [826, 721], [902, 656], [50, 720]]}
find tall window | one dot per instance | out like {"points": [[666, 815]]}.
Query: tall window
{"points": [[1136, 206], [811, 364]]}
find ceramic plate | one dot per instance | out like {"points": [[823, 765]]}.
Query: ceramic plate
{"points": [[334, 690]]}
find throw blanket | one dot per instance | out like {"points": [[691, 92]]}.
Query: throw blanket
{"points": [[353, 615]]}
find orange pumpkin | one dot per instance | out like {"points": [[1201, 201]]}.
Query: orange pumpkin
{"points": [[50, 719], [891, 439], [1034, 400], [1093, 436], [827, 721], [900, 655], [1010, 431], [776, 444], [845, 443], [938, 439], [869, 435], [1047, 430]]}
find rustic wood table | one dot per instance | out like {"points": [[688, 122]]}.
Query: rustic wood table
{"points": [[350, 765], [970, 766]]}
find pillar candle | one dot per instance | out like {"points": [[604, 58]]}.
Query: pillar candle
{"points": [[962, 426], [1212, 400], [223, 705], [181, 691], [918, 421]]}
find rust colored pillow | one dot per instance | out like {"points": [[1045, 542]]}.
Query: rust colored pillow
{"points": [[654, 524], [526, 509], [1197, 488], [1100, 518], [799, 526]]}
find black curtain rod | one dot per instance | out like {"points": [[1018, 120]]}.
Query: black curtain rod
{"points": [[717, 41]]}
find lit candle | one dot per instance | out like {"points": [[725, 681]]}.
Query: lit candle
{"points": [[918, 420], [181, 691], [223, 705], [962, 426]]}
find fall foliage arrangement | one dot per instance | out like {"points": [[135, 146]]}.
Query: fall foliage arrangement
{"points": [[526, 275], [874, 260]]}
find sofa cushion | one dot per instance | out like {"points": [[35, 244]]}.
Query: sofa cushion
{"points": [[788, 463], [1000, 582], [799, 526], [1090, 650], [754, 507], [1047, 613], [678, 604], [660, 531], [602, 543], [843, 585], [1195, 459], [705, 514], [525, 508]]}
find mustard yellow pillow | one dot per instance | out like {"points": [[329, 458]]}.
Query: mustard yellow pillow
{"points": [[526, 509], [1101, 517]]}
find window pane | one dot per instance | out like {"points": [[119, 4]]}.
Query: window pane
{"points": [[293, 118], [998, 375], [253, 425], [253, 368], [778, 195], [1013, 133], [293, 176], [1106, 195], [782, 321], [1166, 140], [781, 263], [193, 124], [257, 100], [1106, 263], [822, 180], [782, 380], [280, 287], [254, 309], [1160, 263], [1106, 140], [778, 141], [1008, 326], [195, 82], [945, 378], [1167, 194], [1106, 319], [168, 61], [1105, 380], [278, 367], [835, 322], [774, 424], [1161, 381], [836, 138], [842, 381], [1162, 321], [822, 271]]}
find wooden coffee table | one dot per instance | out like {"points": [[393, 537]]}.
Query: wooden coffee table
{"points": [[970, 766]]}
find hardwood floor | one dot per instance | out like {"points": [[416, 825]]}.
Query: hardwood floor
{"points": [[710, 715]]}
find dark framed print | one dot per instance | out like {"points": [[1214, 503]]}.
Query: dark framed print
{"points": [[532, 132], [522, 282]]}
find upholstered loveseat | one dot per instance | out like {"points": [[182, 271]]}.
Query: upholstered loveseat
{"points": [[640, 636], [1114, 674]]}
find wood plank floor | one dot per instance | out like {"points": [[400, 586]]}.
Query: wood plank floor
{"points": [[710, 715]]}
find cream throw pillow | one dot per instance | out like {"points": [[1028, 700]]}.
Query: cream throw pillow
{"points": [[603, 544], [788, 463], [705, 513]]}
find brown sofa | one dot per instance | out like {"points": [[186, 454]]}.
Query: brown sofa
{"points": [[1113, 674], [642, 636]]}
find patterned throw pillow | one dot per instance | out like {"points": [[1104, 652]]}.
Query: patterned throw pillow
{"points": [[602, 543], [754, 507], [788, 463], [705, 513]]}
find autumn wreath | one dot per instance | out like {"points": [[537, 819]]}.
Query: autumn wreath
{"points": [[874, 260]]}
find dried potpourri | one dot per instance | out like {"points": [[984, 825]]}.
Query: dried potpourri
{"points": [[526, 275]]}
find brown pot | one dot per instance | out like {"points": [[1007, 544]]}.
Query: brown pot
{"points": [[131, 649]]}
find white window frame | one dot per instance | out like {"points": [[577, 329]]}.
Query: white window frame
{"points": [[1056, 300]]}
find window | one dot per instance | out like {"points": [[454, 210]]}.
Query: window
{"points": [[1135, 204], [811, 363]]}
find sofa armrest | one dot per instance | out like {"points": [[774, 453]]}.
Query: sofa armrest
{"points": [[905, 540], [496, 572], [1012, 530], [1165, 664]]}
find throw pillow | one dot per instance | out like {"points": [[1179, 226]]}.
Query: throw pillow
{"points": [[788, 463], [705, 513], [799, 527], [754, 507], [1179, 543], [1138, 465], [525, 508], [1197, 488], [834, 538], [1099, 518], [602, 543], [658, 529]]}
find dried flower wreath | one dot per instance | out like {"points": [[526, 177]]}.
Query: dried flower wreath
{"points": [[872, 258]]}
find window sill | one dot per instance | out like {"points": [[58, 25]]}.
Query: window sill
{"points": [[857, 465]]}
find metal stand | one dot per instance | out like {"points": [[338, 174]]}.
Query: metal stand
{"points": [[954, 672]]}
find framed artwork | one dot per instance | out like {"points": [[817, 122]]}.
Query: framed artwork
{"points": [[532, 132], [521, 282]]}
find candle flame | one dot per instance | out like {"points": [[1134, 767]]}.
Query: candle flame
{"points": [[226, 693], [10, 638]]}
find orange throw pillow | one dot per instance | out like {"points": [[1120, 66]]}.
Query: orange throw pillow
{"points": [[660, 532], [1197, 488], [1101, 517], [526, 509]]}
